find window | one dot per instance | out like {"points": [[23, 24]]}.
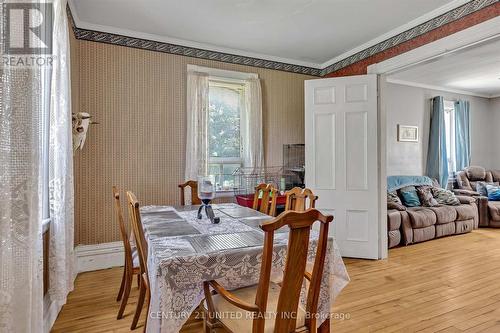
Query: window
{"points": [[224, 124], [449, 122], [225, 144]]}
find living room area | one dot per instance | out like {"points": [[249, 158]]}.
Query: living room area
{"points": [[442, 152]]}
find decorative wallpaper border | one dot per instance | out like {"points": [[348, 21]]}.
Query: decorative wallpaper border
{"points": [[437, 22], [150, 45]]}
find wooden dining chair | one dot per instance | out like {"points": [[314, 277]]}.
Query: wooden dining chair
{"points": [[252, 304], [194, 192], [267, 203], [142, 249], [129, 268], [296, 199]]}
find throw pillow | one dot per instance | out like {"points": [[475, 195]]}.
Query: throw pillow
{"points": [[481, 187], [493, 192], [445, 197], [396, 206], [409, 196], [426, 197], [393, 197]]}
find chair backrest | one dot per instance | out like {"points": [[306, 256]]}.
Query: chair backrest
{"points": [[300, 224], [296, 199], [267, 203], [123, 228], [194, 192], [140, 239], [468, 178]]}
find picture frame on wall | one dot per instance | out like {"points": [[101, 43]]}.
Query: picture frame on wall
{"points": [[407, 133]]}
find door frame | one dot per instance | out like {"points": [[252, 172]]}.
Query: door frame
{"points": [[477, 34]]}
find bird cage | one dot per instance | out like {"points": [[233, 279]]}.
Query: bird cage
{"points": [[294, 163], [246, 179]]}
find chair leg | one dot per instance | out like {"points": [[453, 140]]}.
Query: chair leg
{"points": [[122, 285], [138, 280], [325, 327], [140, 303], [126, 293], [209, 319], [148, 295], [207, 327]]}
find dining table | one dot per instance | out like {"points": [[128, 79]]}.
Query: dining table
{"points": [[184, 251]]}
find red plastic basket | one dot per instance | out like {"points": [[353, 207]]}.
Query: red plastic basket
{"points": [[247, 200]]}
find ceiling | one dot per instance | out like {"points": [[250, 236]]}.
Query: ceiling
{"points": [[312, 33], [475, 70]]}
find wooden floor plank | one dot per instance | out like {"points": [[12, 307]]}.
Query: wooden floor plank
{"points": [[447, 285]]}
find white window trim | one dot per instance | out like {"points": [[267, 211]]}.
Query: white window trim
{"points": [[226, 75]]}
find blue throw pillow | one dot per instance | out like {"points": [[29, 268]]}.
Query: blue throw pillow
{"points": [[493, 192], [481, 187], [409, 196]]}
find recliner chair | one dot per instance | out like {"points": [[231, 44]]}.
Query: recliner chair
{"points": [[467, 179]]}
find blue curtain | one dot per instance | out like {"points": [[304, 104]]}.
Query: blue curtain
{"points": [[437, 163], [462, 134]]}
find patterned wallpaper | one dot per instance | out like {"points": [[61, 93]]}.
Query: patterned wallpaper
{"points": [[138, 98]]}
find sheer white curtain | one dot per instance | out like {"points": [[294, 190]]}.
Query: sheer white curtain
{"points": [[61, 260], [197, 125], [26, 94], [21, 110], [253, 155], [21, 116]]}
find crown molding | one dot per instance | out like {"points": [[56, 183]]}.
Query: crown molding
{"points": [[484, 32], [407, 26], [187, 43], [420, 26], [122, 37], [419, 30]]}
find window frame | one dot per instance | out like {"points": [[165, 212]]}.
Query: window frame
{"points": [[228, 77], [222, 161]]}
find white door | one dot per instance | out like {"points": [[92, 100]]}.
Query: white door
{"points": [[342, 160]]}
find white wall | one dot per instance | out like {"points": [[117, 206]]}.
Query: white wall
{"points": [[407, 105], [495, 140]]}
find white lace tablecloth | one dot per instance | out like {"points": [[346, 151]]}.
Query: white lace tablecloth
{"points": [[177, 270]]}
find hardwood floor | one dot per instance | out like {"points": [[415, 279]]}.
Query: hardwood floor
{"points": [[446, 285]]}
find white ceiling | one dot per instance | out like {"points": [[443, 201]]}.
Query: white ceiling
{"points": [[313, 33], [475, 70]]}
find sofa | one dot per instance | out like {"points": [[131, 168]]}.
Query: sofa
{"points": [[408, 225], [467, 180]]}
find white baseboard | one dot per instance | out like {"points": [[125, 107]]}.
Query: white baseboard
{"points": [[99, 256], [50, 314]]}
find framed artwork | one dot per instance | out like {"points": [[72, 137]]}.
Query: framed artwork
{"points": [[407, 133]]}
